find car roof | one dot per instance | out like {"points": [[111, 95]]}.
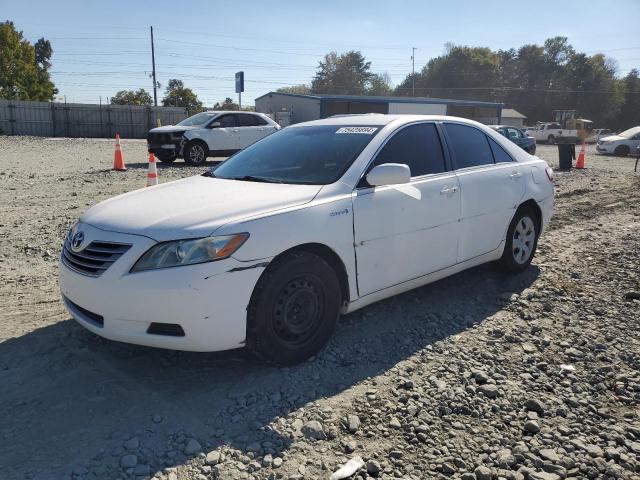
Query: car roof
{"points": [[381, 119], [217, 112]]}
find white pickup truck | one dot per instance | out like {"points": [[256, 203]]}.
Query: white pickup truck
{"points": [[549, 132]]}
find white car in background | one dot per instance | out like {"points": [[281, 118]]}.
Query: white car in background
{"points": [[597, 134], [621, 144], [266, 250], [209, 134]]}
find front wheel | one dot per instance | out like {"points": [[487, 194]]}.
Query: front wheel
{"points": [[622, 151], [551, 139], [521, 242], [195, 153], [166, 157], [294, 309]]}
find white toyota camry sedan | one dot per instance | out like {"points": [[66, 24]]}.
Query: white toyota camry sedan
{"points": [[266, 250]]}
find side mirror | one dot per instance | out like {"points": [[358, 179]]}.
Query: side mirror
{"points": [[389, 174], [215, 125]]}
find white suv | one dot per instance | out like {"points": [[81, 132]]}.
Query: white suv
{"points": [[209, 134]]}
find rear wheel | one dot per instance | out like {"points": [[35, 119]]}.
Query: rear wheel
{"points": [[195, 153], [521, 242], [551, 139], [293, 309], [622, 151]]}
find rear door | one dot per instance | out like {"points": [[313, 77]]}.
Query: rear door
{"points": [[492, 185], [249, 129], [406, 231]]}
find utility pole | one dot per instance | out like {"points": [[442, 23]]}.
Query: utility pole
{"points": [[153, 66], [413, 71]]}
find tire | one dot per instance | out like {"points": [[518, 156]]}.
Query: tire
{"points": [[166, 158], [551, 139], [195, 153], [532, 150], [522, 240], [622, 151], [293, 309]]}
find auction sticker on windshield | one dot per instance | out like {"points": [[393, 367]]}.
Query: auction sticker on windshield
{"points": [[365, 130]]}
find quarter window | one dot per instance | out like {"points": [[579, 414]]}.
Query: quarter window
{"points": [[417, 146], [499, 154], [470, 146]]}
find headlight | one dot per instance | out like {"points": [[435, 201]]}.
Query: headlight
{"points": [[189, 252]]}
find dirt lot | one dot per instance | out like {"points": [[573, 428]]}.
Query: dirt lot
{"points": [[479, 376]]}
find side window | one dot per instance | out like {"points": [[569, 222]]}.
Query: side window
{"points": [[259, 120], [470, 146], [502, 132], [247, 120], [418, 146], [513, 133], [226, 121], [499, 154]]}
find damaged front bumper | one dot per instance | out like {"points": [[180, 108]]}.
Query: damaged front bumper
{"points": [[207, 301]]}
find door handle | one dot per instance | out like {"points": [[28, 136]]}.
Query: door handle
{"points": [[235, 130], [448, 190], [515, 175]]}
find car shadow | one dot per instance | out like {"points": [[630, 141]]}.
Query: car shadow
{"points": [[70, 400]]}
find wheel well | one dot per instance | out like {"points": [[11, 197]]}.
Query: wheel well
{"points": [[328, 255], [200, 141], [533, 206]]}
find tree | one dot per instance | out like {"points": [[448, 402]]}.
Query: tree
{"points": [[177, 95], [630, 109], [348, 74], [534, 79], [24, 68], [131, 97], [302, 89], [228, 104], [462, 72]]}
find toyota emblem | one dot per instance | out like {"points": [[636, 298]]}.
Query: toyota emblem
{"points": [[76, 241]]}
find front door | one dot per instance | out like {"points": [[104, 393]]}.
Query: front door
{"points": [[406, 231], [222, 134], [491, 184]]}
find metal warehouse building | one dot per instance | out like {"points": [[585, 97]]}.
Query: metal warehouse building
{"points": [[288, 108]]}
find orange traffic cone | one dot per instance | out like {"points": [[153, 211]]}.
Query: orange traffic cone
{"points": [[580, 161], [152, 174], [118, 159]]}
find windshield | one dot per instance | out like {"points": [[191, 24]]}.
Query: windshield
{"points": [[197, 119], [630, 133], [316, 155]]}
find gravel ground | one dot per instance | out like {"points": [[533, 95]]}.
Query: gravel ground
{"points": [[479, 376]]}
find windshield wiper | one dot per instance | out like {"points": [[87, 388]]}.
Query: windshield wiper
{"points": [[251, 178]]}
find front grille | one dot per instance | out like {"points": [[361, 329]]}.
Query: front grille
{"points": [[167, 329], [97, 320], [94, 259]]}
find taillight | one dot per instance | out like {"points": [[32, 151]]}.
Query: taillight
{"points": [[549, 172]]}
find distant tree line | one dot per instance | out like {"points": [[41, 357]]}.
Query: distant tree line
{"points": [[534, 79]]}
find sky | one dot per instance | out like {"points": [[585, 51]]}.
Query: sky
{"points": [[103, 47]]}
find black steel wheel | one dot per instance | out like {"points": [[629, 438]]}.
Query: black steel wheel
{"points": [[293, 309]]}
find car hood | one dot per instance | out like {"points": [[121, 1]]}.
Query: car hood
{"points": [[613, 138], [172, 128], [193, 207]]}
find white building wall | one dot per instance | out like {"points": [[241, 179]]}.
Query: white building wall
{"points": [[418, 108]]}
